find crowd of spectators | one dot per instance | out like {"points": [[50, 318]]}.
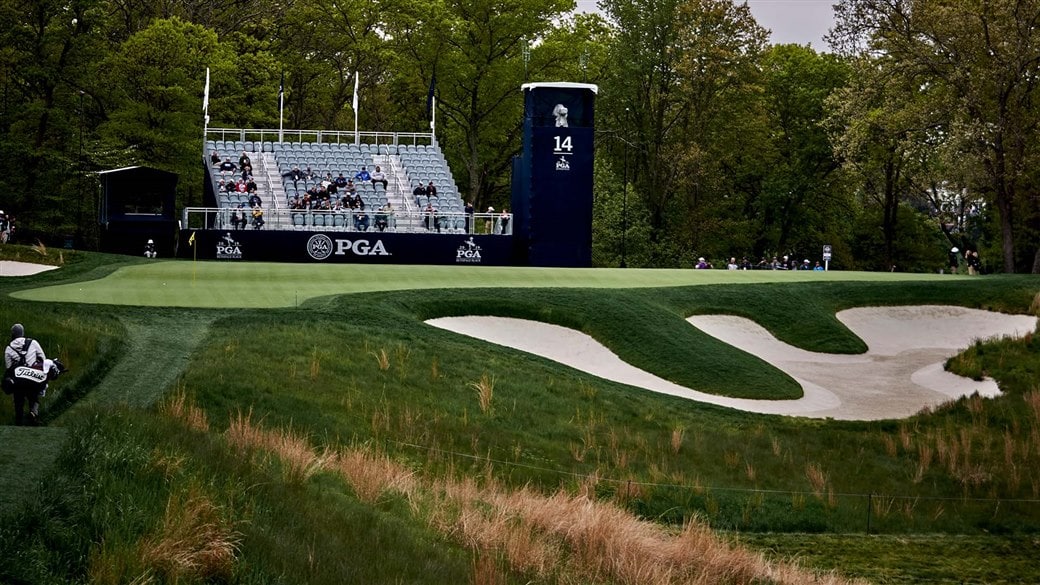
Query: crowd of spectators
{"points": [[765, 263], [237, 178]]}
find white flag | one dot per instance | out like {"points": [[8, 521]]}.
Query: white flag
{"points": [[205, 95], [356, 79]]}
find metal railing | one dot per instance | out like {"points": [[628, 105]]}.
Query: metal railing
{"points": [[271, 136], [348, 220]]}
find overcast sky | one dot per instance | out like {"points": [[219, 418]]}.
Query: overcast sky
{"points": [[792, 21]]}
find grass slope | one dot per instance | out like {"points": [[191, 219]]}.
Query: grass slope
{"points": [[26, 456], [363, 370]]}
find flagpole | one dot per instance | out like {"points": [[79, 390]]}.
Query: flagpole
{"points": [[433, 122], [357, 78], [281, 105], [205, 113]]}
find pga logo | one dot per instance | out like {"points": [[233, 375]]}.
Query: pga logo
{"points": [[320, 247], [468, 252], [228, 248]]}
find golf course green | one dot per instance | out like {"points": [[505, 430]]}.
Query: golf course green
{"points": [[172, 283]]}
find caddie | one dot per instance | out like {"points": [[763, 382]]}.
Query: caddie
{"points": [[26, 374]]}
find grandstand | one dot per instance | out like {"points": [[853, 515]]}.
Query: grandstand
{"points": [[387, 220], [405, 158]]}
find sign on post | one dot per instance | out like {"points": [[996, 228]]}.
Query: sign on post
{"points": [[826, 257]]}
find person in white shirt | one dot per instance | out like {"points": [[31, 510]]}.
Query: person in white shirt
{"points": [[26, 373], [378, 176]]}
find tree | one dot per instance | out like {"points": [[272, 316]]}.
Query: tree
{"points": [[980, 60], [480, 52], [804, 198], [681, 85], [159, 74]]}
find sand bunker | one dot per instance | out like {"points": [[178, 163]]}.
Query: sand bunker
{"points": [[12, 268], [901, 373]]}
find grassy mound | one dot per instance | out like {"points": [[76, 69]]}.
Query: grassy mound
{"points": [[345, 441]]}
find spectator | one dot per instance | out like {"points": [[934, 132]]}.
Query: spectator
{"points": [[363, 175], [295, 174], [419, 192], [974, 263], [214, 158], [432, 222], [240, 186], [341, 181], [250, 185], [382, 218], [806, 265], [361, 221], [819, 267], [702, 264], [732, 264], [258, 218], [350, 188], [378, 176], [308, 173], [358, 202], [431, 191], [745, 264], [469, 216], [488, 222], [149, 250], [227, 166], [234, 218], [254, 201], [953, 260], [243, 161], [503, 221], [243, 219]]}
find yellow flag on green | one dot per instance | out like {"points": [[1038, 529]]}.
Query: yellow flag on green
{"points": [[191, 240]]}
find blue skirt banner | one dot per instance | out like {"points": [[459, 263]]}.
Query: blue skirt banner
{"points": [[346, 247]]}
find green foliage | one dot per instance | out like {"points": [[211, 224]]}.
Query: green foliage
{"points": [[918, 245]]}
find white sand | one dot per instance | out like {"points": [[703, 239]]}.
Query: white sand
{"points": [[12, 268], [901, 373]]}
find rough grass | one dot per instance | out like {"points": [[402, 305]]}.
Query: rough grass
{"points": [[364, 370], [560, 536]]}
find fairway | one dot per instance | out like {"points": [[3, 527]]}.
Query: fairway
{"points": [[269, 285]]}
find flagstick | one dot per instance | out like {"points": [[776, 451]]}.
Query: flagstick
{"points": [[194, 262]]}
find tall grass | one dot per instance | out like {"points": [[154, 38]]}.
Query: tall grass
{"points": [[485, 388], [567, 537]]}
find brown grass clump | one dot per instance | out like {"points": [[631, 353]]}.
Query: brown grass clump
{"points": [[299, 460], [382, 359], [372, 475], [817, 478], [194, 542], [180, 407], [485, 388], [678, 434], [562, 537]]}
